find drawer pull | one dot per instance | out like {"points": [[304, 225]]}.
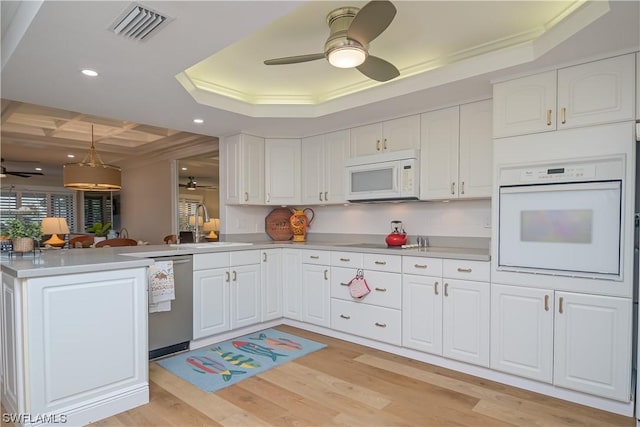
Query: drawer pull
{"points": [[464, 270], [381, 325], [435, 288], [381, 263], [345, 259], [320, 196], [344, 284], [326, 199], [548, 117], [235, 276], [344, 316], [264, 256], [546, 303], [314, 257], [420, 265], [326, 277], [381, 289], [561, 305], [446, 289], [563, 114], [227, 276], [246, 196]]}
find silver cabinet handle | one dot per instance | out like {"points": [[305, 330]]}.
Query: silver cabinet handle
{"points": [[563, 115], [381, 325], [561, 305], [227, 276], [464, 270], [384, 144], [381, 263], [344, 316], [268, 197], [381, 289], [344, 284], [462, 187], [235, 276], [420, 265], [446, 289], [548, 117], [546, 303], [264, 256], [345, 259], [378, 145], [246, 196], [314, 257], [320, 196], [453, 188], [435, 288], [325, 275], [326, 199]]}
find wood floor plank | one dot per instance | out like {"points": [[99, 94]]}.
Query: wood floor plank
{"points": [[346, 384]]}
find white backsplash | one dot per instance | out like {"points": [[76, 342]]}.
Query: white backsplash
{"points": [[468, 218]]}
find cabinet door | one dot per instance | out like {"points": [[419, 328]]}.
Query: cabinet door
{"points": [[593, 344], [245, 295], [525, 105], [210, 302], [316, 294], [366, 140], [596, 92], [522, 331], [230, 151], [336, 152], [252, 165], [439, 154], [401, 134], [282, 171], [11, 350], [312, 153], [422, 313], [271, 284], [292, 284], [465, 321], [475, 175], [638, 86]]}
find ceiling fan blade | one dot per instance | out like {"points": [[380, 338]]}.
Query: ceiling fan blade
{"points": [[371, 21], [23, 174], [378, 69], [294, 59]]}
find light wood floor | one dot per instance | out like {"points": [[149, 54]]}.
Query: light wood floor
{"points": [[347, 384]]}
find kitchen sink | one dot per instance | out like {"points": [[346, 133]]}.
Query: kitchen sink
{"points": [[207, 245]]}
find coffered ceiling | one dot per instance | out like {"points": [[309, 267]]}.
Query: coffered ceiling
{"points": [[206, 61]]}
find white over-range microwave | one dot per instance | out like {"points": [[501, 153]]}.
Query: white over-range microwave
{"points": [[383, 177]]}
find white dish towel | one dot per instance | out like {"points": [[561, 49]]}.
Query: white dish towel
{"points": [[161, 286]]}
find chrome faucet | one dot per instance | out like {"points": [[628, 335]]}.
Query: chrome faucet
{"points": [[196, 234]]}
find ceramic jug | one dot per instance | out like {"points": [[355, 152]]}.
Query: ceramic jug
{"points": [[300, 222]]}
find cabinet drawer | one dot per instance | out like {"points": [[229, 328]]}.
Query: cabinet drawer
{"points": [[466, 270], [212, 260], [386, 288], [316, 257], [382, 262], [244, 257], [378, 323], [422, 266], [346, 259]]}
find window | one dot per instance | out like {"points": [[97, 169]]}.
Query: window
{"points": [[42, 204], [97, 208], [187, 207]]}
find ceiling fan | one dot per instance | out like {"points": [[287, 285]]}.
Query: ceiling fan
{"points": [[5, 172], [351, 31], [193, 184]]}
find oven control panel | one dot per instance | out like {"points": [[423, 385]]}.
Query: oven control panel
{"points": [[574, 172]]}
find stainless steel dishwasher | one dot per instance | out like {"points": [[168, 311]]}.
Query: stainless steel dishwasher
{"points": [[171, 331]]}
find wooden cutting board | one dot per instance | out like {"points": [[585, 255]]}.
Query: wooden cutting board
{"points": [[276, 224]]}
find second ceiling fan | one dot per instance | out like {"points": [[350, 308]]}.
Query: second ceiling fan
{"points": [[351, 31]]}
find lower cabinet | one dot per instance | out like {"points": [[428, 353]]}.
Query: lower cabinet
{"points": [[576, 341], [365, 320], [422, 313], [226, 297], [316, 288], [292, 284], [271, 284]]}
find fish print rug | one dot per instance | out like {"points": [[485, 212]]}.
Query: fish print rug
{"points": [[219, 365]]}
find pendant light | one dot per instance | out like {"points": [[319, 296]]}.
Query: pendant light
{"points": [[91, 174]]}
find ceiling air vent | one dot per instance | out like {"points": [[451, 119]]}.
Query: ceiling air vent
{"points": [[138, 22]]}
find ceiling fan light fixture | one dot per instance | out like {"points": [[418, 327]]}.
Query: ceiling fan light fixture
{"points": [[191, 185], [347, 56]]}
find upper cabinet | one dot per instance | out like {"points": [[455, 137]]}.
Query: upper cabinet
{"points": [[282, 171], [323, 174], [243, 157], [456, 152], [638, 86], [391, 135], [587, 94]]}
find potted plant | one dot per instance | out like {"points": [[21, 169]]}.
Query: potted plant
{"points": [[22, 233], [99, 230]]}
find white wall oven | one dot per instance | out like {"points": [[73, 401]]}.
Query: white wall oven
{"points": [[562, 218]]}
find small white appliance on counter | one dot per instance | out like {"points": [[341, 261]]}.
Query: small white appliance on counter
{"points": [[383, 177]]}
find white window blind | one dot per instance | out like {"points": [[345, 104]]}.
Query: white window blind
{"points": [[97, 208], [41, 204], [187, 207]]}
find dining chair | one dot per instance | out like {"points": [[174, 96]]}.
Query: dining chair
{"points": [[116, 242], [170, 239], [83, 241]]}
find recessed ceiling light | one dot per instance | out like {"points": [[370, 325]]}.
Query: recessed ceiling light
{"points": [[90, 73], [183, 168], [71, 156], [38, 169], [198, 121]]}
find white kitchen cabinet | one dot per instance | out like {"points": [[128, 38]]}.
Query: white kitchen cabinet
{"points": [[587, 94], [282, 171], [456, 152], [226, 294], [271, 282], [466, 311], [593, 344], [292, 284], [522, 331], [638, 86], [316, 287], [243, 157], [323, 173], [59, 326], [391, 135], [422, 313]]}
